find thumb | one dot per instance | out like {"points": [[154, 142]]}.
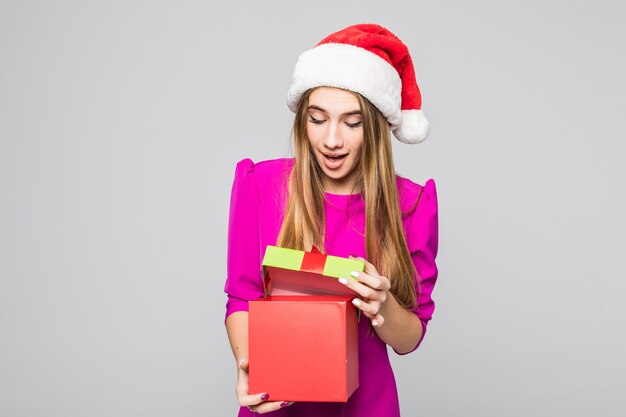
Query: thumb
{"points": [[243, 364]]}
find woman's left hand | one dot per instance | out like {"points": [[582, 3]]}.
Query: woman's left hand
{"points": [[373, 289]]}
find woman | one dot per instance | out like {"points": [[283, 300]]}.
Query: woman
{"points": [[341, 194]]}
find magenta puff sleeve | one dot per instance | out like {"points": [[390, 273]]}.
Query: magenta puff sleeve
{"points": [[423, 241], [243, 280]]}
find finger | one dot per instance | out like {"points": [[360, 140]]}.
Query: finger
{"points": [[367, 287], [243, 364], [254, 399], [369, 267], [377, 282], [361, 289], [378, 320], [271, 406], [368, 315], [369, 307]]}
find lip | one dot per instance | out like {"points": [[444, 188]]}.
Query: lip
{"points": [[334, 163], [333, 155]]}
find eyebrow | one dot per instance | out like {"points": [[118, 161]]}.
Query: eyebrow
{"points": [[350, 113]]}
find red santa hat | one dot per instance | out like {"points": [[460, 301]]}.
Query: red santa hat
{"points": [[370, 60]]}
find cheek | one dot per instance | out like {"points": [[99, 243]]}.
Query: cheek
{"points": [[313, 135], [356, 140]]}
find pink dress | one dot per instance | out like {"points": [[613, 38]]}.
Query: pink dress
{"points": [[257, 207]]}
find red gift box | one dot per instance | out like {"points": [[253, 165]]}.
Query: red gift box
{"points": [[304, 347]]}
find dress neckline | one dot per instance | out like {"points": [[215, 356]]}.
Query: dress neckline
{"points": [[342, 200], [341, 195]]}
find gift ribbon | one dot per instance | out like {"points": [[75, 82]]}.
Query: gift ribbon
{"points": [[313, 261]]}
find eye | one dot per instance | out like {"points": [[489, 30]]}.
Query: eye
{"points": [[354, 125], [316, 121]]}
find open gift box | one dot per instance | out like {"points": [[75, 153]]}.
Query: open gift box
{"points": [[303, 335]]}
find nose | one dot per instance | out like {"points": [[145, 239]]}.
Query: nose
{"points": [[333, 138]]}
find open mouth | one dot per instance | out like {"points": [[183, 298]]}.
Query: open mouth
{"points": [[335, 157]]}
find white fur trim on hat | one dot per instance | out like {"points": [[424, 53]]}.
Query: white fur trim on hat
{"points": [[351, 68], [413, 128]]}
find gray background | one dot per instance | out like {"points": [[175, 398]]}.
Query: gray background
{"points": [[120, 126]]}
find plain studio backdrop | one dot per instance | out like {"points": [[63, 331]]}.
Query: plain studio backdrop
{"points": [[120, 126]]}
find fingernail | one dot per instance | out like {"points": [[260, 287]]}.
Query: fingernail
{"points": [[265, 397], [374, 323], [356, 301], [284, 404], [354, 274], [343, 281]]}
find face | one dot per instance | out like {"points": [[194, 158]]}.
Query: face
{"points": [[335, 131]]}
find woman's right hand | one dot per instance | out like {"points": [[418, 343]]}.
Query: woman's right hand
{"points": [[257, 403]]}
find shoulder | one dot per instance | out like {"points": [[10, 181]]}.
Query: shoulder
{"points": [[264, 169], [419, 207], [413, 195], [268, 177]]}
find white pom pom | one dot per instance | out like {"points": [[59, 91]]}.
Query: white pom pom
{"points": [[413, 128]]}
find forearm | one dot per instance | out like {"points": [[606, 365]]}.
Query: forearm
{"points": [[402, 329], [237, 329]]}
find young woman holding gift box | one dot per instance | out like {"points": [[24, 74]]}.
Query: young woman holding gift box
{"points": [[341, 194]]}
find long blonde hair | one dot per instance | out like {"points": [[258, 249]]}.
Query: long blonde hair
{"points": [[385, 242]]}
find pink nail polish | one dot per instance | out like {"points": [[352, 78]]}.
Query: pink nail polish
{"points": [[284, 404], [265, 397]]}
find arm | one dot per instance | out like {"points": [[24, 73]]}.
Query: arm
{"points": [[237, 329], [404, 329], [243, 281]]}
